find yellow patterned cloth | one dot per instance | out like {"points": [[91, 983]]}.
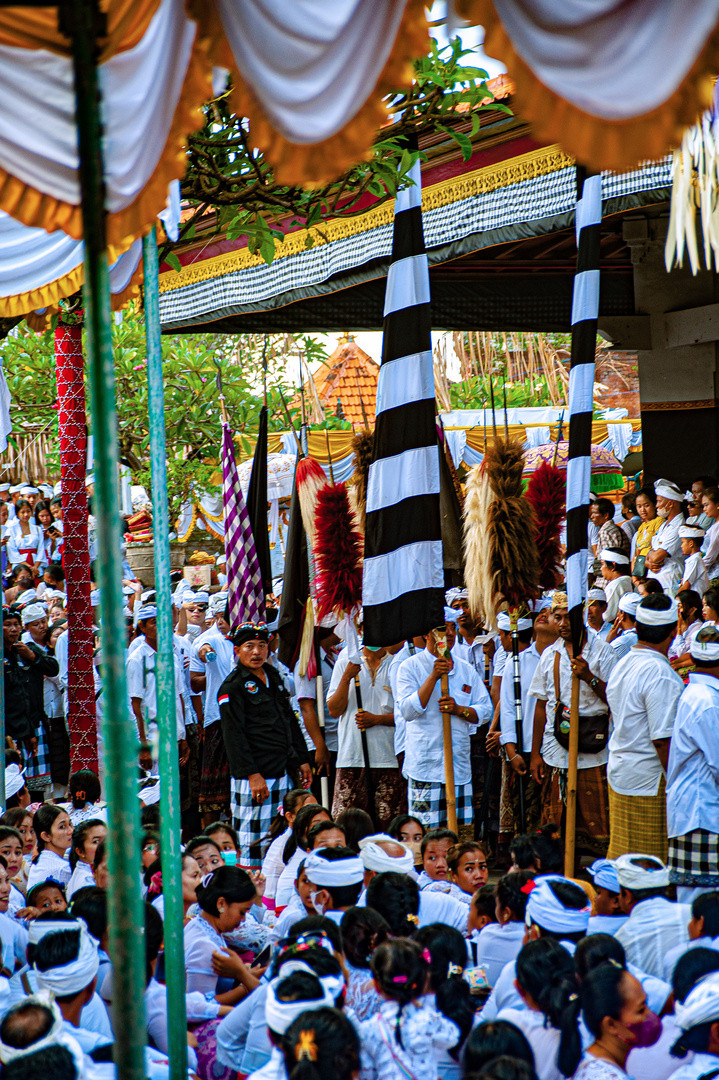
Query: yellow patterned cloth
{"points": [[638, 823]]}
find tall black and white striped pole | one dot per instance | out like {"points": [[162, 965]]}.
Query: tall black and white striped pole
{"points": [[585, 312]]}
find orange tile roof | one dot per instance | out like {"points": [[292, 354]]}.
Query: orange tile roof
{"points": [[348, 373]]}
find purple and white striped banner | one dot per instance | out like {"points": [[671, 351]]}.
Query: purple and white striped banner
{"points": [[246, 600]]}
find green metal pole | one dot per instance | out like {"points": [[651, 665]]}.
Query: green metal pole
{"points": [[79, 19], [165, 681]]}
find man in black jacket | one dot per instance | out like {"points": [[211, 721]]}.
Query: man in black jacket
{"points": [[262, 738]]}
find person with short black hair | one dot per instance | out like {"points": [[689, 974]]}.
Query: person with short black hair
{"points": [[610, 535], [693, 772], [363, 930], [499, 942], [698, 1018], [493, 1039], [434, 848], [703, 929], [642, 693]]}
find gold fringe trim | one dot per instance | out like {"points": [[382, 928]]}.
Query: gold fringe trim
{"points": [[45, 212], [36, 28], [599, 144], [547, 159], [193, 520], [316, 164]]}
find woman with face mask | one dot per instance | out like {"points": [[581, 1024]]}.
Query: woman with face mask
{"points": [[614, 1008]]}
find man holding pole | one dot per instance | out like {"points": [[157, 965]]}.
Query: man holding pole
{"points": [[425, 704], [375, 784], [552, 687]]}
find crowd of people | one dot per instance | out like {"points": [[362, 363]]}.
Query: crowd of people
{"points": [[334, 924]]}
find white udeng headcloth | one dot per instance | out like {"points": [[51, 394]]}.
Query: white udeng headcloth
{"points": [[73, 977]]}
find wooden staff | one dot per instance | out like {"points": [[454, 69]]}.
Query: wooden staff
{"points": [[570, 828], [451, 793], [519, 734], [365, 750]]}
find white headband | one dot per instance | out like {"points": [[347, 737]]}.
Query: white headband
{"points": [[596, 594], [73, 977], [652, 617], [504, 623], [691, 532], [374, 857], [339, 872], [14, 780], [148, 611], [279, 1015], [451, 615], [629, 603], [665, 489], [198, 598], [452, 595], [701, 1003], [150, 794], [540, 605], [604, 874], [33, 612], [56, 1036], [632, 876], [40, 928], [218, 603], [704, 650], [544, 909], [613, 556]]}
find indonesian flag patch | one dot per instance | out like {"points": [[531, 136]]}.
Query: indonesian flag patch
{"points": [[224, 699]]}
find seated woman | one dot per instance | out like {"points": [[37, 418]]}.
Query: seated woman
{"points": [[54, 834], [85, 839], [296, 849], [498, 943], [224, 896]]}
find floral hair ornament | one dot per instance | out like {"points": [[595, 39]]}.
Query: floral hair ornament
{"points": [[413, 919], [527, 887], [427, 956], [399, 979], [306, 1048], [454, 969], [80, 795]]}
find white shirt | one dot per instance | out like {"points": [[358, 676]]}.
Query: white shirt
{"points": [[710, 549], [681, 642], [642, 693], [140, 668], [675, 954], [13, 938], [377, 699], [654, 926], [198, 1010], [695, 574], [601, 661], [472, 653], [81, 877], [543, 1039], [614, 590], [424, 750], [605, 924], [273, 864], [668, 539], [307, 688], [693, 771], [399, 721], [49, 865], [622, 644], [215, 673], [528, 661], [33, 542], [495, 945], [286, 881]]}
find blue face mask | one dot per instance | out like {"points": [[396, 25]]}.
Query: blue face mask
{"points": [[373, 648]]}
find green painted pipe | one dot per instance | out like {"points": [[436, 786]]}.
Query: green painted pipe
{"points": [[127, 934], [165, 681]]}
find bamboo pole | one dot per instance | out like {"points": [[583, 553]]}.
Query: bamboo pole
{"points": [[570, 828], [450, 790], [170, 828], [126, 914]]}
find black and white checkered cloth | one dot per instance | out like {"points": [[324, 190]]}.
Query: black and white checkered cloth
{"points": [[252, 821], [37, 766], [694, 859], [481, 211], [428, 803]]}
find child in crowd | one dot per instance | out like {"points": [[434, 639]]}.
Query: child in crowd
{"points": [[405, 1037], [280, 832], [226, 839], [467, 872], [409, 831], [363, 930], [11, 846], [54, 835], [99, 866], [694, 575], [321, 1044], [46, 896], [84, 794], [434, 849], [498, 943], [85, 839]]}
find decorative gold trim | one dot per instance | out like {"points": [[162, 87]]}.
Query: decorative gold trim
{"points": [[528, 166], [671, 406]]}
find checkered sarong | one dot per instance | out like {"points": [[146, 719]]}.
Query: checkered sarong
{"points": [[252, 821], [37, 775], [428, 803], [694, 859], [638, 823]]}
